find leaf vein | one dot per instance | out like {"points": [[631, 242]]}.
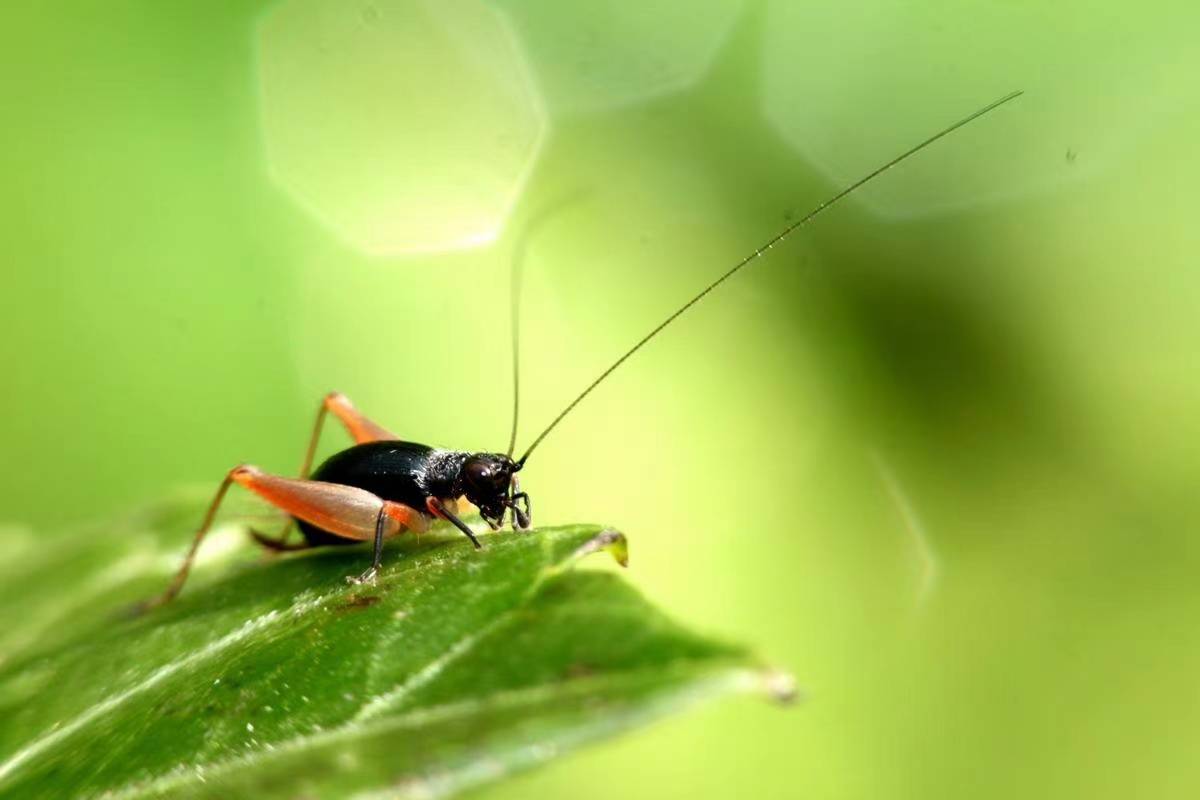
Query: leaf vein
{"points": [[53, 736], [725, 674]]}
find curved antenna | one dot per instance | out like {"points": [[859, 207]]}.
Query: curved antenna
{"points": [[779, 237], [514, 293], [520, 248]]}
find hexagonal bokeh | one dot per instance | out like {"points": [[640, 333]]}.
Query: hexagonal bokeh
{"points": [[597, 56], [402, 125], [850, 86]]}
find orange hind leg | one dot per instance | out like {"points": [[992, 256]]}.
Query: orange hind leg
{"points": [[344, 511], [360, 428]]}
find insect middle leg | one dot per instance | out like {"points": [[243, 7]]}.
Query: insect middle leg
{"points": [[279, 542], [345, 511]]}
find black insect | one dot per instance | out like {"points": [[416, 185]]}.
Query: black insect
{"points": [[383, 486]]}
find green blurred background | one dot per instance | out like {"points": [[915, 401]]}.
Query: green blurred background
{"points": [[937, 456]]}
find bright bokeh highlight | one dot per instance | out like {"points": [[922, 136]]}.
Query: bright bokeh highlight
{"points": [[402, 125], [599, 56], [847, 111]]}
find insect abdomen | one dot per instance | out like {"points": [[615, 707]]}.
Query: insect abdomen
{"points": [[389, 469]]}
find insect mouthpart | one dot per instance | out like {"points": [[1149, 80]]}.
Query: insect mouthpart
{"points": [[522, 516]]}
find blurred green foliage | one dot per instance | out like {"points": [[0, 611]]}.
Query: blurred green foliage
{"points": [[990, 351]]}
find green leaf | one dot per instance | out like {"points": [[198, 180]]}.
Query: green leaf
{"points": [[273, 677]]}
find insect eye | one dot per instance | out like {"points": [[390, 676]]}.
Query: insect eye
{"points": [[478, 471], [485, 474]]}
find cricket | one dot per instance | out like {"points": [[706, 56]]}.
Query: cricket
{"points": [[383, 486]]}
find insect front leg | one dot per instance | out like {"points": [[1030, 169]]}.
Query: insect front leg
{"points": [[440, 509]]}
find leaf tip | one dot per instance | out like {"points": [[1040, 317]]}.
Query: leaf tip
{"points": [[610, 540], [779, 686]]}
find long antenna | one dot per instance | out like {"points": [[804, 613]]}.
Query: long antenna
{"points": [[515, 294], [779, 237], [520, 249]]}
